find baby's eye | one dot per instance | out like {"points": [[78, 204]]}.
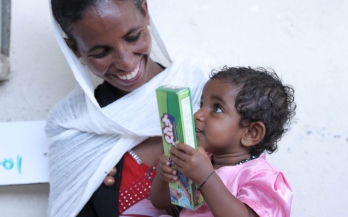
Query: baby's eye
{"points": [[200, 104], [217, 109]]}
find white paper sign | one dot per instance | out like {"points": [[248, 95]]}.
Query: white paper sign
{"points": [[23, 153]]}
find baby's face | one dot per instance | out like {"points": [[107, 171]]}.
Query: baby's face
{"points": [[217, 120]]}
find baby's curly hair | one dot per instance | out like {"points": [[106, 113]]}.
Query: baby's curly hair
{"points": [[261, 97]]}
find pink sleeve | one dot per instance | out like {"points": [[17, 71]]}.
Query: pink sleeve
{"points": [[268, 193]]}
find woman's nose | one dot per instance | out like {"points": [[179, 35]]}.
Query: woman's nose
{"points": [[123, 59]]}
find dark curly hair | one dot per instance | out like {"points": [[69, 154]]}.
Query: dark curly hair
{"points": [[261, 97], [68, 12]]}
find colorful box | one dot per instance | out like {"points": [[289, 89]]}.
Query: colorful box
{"points": [[177, 123]]}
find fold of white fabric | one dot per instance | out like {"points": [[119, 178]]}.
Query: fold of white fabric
{"points": [[86, 141]]}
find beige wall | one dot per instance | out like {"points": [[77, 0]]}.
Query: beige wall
{"points": [[304, 41]]}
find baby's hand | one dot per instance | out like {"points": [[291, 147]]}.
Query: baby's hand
{"points": [[164, 171], [193, 164]]}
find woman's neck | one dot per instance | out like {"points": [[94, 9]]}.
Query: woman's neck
{"points": [[154, 69]]}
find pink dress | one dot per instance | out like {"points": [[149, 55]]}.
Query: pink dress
{"points": [[256, 183]]}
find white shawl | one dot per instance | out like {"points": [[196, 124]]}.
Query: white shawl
{"points": [[86, 141]]}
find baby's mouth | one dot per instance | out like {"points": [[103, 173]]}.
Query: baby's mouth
{"points": [[199, 131]]}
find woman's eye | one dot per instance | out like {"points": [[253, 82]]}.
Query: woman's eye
{"points": [[99, 55], [133, 38]]}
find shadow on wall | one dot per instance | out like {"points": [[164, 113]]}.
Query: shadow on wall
{"points": [[5, 20]]}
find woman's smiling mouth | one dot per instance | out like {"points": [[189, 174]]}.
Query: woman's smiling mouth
{"points": [[131, 75]]}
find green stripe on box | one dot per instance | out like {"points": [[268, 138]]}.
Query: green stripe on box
{"points": [[176, 117]]}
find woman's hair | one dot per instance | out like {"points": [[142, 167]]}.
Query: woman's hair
{"points": [[261, 97], [68, 12]]}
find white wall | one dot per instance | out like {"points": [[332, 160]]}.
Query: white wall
{"points": [[306, 42], [38, 78], [39, 74]]}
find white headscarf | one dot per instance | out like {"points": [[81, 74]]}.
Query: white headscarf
{"points": [[86, 141]]}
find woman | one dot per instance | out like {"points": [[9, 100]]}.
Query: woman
{"points": [[117, 124]]}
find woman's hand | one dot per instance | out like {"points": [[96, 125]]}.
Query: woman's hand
{"points": [[193, 164], [164, 171]]}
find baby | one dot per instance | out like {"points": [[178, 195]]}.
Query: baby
{"points": [[243, 114]]}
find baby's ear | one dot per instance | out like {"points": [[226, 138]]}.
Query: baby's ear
{"points": [[254, 134]]}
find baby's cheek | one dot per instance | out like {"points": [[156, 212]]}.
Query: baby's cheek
{"points": [[204, 144]]}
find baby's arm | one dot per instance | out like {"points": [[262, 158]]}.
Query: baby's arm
{"points": [[159, 193], [197, 166]]}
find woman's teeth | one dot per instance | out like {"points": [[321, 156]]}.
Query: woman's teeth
{"points": [[130, 75]]}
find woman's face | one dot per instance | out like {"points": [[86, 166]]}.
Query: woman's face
{"points": [[115, 42]]}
